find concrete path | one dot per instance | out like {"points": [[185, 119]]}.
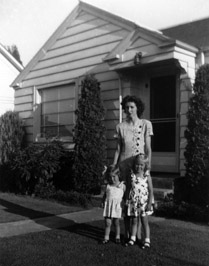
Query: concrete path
{"points": [[69, 219], [48, 223]]}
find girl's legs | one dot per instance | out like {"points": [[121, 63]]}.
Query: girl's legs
{"points": [[108, 223], [127, 227], [139, 229], [117, 229], [133, 231], [145, 223]]}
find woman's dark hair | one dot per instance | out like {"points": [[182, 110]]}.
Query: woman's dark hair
{"points": [[138, 102]]}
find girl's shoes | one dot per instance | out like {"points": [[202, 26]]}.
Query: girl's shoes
{"points": [[105, 241], [117, 241], [146, 245], [130, 243]]}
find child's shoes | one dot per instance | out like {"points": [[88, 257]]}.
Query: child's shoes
{"points": [[117, 241], [130, 243], [105, 241], [146, 245]]}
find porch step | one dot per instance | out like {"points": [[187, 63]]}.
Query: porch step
{"points": [[163, 184], [161, 193]]}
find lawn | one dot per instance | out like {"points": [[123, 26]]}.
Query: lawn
{"points": [[174, 243]]}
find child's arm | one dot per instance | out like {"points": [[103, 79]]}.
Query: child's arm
{"points": [[104, 198], [150, 189]]}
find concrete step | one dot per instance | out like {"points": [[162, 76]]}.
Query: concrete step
{"points": [[162, 182], [161, 193]]}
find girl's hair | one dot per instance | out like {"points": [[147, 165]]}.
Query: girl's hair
{"points": [[111, 171], [142, 158], [138, 102]]}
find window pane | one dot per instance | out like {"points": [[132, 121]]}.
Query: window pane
{"points": [[66, 106], [66, 118], [48, 108], [58, 107], [49, 95], [67, 92], [49, 120], [50, 132]]}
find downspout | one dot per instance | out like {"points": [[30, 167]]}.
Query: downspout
{"points": [[120, 99]]}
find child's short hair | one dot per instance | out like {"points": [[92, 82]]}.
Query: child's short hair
{"points": [[141, 158], [110, 170]]}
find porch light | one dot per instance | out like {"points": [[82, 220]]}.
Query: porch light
{"points": [[137, 58]]}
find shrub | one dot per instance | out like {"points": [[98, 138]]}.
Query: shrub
{"points": [[89, 138], [36, 166], [197, 135], [11, 135], [182, 210]]}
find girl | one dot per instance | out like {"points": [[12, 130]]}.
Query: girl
{"points": [[112, 203], [139, 204]]}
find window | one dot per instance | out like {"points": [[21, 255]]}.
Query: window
{"points": [[57, 111]]}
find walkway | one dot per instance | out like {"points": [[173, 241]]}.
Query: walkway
{"points": [[48, 223]]}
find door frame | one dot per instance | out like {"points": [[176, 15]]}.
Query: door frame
{"points": [[168, 161]]}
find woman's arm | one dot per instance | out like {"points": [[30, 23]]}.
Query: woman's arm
{"points": [[117, 154], [150, 189], [148, 150]]}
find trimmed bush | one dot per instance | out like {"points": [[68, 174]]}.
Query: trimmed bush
{"points": [[197, 135], [11, 135], [89, 138]]}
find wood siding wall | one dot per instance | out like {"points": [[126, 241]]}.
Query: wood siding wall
{"points": [[79, 50]]}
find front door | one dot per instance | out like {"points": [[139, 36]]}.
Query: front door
{"points": [[163, 115]]}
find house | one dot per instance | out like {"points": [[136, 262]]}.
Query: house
{"points": [[126, 58], [9, 69]]}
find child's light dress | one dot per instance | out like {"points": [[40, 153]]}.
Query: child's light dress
{"points": [[113, 202], [138, 196]]}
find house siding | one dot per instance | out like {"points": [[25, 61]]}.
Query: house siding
{"points": [[79, 50]]}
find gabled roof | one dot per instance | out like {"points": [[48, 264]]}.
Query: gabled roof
{"points": [[10, 58], [195, 33], [132, 27]]}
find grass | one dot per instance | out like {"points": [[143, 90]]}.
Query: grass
{"points": [[174, 243]]}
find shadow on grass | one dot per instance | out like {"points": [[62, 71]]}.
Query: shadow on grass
{"points": [[54, 222], [19, 210], [22, 211], [87, 230]]}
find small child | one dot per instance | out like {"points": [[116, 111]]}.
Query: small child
{"points": [[140, 200], [112, 203]]}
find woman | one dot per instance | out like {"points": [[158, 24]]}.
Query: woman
{"points": [[133, 137]]}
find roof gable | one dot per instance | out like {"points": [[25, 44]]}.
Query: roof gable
{"points": [[86, 17]]}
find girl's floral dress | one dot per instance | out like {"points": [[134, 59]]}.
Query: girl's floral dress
{"points": [[138, 196]]}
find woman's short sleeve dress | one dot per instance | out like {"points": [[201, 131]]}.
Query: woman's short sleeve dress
{"points": [[132, 139]]}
